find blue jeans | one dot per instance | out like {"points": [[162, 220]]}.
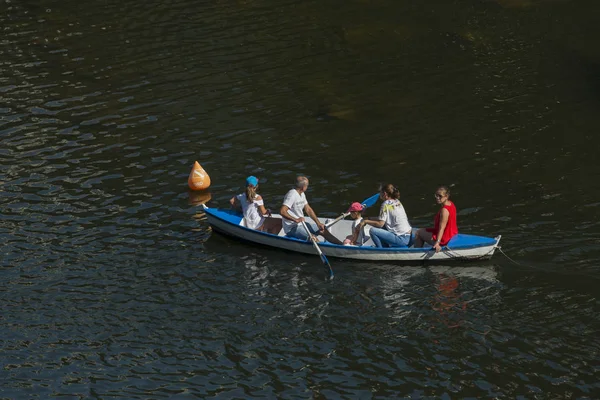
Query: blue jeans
{"points": [[385, 238], [299, 232]]}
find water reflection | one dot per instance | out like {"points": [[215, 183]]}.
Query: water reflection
{"points": [[199, 198], [447, 301], [442, 297]]}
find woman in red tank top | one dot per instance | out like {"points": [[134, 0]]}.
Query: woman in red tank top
{"points": [[445, 223]]}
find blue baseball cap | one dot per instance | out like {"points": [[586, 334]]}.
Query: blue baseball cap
{"points": [[251, 180]]}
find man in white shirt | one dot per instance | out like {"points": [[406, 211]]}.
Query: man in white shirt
{"points": [[292, 212]]}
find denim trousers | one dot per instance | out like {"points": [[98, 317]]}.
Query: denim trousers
{"points": [[299, 232], [385, 238]]}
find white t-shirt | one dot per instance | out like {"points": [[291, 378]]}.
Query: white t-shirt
{"points": [[252, 215], [363, 233], [296, 203], [393, 214], [355, 223]]}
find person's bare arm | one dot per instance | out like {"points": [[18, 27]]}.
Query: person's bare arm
{"points": [[443, 222], [309, 211], [354, 237], [263, 210], [235, 203], [285, 214], [373, 222]]}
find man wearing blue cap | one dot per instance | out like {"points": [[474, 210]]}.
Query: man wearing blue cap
{"points": [[292, 212]]}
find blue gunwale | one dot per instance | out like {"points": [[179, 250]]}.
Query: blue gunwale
{"points": [[461, 241]]}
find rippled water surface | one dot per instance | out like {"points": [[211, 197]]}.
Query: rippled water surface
{"points": [[113, 285]]}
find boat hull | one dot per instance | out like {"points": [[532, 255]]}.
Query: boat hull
{"points": [[462, 247]]}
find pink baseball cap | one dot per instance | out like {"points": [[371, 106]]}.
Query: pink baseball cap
{"points": [[356, 206]]}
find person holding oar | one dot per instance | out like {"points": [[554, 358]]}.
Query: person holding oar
{"points": [[292, 212], [391, 228]]}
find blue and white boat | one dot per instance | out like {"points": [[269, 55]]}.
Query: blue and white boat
{"points": [[461, 247]]}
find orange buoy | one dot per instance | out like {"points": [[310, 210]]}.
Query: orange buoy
{"points": [[198, 179]]}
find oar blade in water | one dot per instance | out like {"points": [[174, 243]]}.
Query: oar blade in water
{"points": [[327, 265]]}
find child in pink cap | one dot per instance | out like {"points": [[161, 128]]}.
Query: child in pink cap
{"points": [[357, 236]]}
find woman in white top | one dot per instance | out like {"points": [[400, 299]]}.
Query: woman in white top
{"points": [[252, 205], [391, 228]]}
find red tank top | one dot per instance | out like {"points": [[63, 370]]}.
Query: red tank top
{"points": [[451, 227]]}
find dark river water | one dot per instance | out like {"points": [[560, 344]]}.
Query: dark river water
{"points": [[112, 284]]}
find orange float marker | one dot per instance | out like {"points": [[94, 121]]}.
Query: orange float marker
{"points": [[198, 179]]}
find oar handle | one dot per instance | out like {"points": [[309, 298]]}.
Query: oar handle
{"points": [[368, 202], [335, 221]]}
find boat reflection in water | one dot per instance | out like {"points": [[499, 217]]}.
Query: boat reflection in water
{"points": [[443, 296], [282, 286]]}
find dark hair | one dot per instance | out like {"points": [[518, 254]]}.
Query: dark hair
{"points": [[445, 189], [391, 190]]}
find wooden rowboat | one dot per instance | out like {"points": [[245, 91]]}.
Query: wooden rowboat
{"points": [[461, 247]]}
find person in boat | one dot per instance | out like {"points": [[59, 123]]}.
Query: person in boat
{"points": [[292, 212], [358, 236], [391, 228], [251, 204], [445, 227]]}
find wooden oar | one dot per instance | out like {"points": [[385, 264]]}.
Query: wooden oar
{"points": [[366, 203], [316, 246]]}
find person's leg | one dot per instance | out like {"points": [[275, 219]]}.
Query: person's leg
{"points": [[428, 237], [413, 235], [381, 237], [422, 236], [300, 233], [375, 237], [312, 228], [400, 241]]}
